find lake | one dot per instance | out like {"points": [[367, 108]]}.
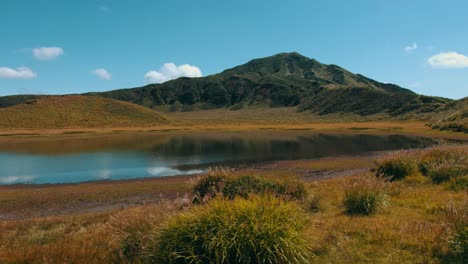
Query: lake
{"points": [[117, 157]]}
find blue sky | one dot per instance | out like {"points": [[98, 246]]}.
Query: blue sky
{"points": [[58, 46]]}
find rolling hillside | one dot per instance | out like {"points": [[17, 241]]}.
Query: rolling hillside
{"points": [[454, 116], [286, 79], [76, 111]]}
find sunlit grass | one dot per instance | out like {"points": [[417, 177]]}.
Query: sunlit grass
{"points": [[261, 229], [423, 222]]}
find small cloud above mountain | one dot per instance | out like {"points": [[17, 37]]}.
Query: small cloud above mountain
{"points": [[448, 60], [170, 71], [18, 73], [102, 73], [47, 53], [411, 48]]}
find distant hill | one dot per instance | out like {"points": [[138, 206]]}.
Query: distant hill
{"points": [[286, 79], [454, 116], [282, 80], [75, 111]]}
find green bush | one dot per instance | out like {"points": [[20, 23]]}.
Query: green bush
{"points": [[365, 196], [261, 229], [396, 167], [230, 186]]}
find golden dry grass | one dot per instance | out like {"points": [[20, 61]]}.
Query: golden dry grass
{"points": [[261, 119], [76, 111], [413, 228]]}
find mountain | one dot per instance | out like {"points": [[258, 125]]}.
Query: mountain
{"points": [[286, 79], [75, 111], [282, 80]]}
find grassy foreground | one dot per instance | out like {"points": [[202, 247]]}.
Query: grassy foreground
{"points": [[419, 217]]}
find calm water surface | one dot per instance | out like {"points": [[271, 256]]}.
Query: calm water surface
{"points": [[138, 156]]}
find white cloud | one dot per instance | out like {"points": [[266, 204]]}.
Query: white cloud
{"points": [[102, 73], [411, 48], [170, 71], [448, 60], [47, 53], [18, 73]]}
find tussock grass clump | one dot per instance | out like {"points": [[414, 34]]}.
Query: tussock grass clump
{"points": [[210, 186], [225, 184], [396, 166], [261, 229], [438, 165], [457, 219], [434, 158], [443, 165], [365, 196], [445, 174], [133, 228], [459, 184], [314, 203]]}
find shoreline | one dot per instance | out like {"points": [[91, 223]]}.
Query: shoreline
{"points": [[27, 201]]}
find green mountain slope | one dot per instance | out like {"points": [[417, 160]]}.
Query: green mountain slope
{"points": [[75, 111], [282, 80], [286, 79]]}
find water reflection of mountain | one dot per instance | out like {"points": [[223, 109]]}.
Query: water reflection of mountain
{"points": [[302, 146], [285, 144]]}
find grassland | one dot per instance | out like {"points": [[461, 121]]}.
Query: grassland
{"points": [[417, 225], [76, 111], [252, 119], [89, 222]]}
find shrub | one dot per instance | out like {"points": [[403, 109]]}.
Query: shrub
{"points": [[222, 183], [365, 196], [262, 229], [396, 167]]}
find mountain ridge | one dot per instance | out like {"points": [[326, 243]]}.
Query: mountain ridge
{"points": [[282, 80]]}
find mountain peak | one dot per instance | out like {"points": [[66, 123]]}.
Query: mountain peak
{"points": [[283, 80]]}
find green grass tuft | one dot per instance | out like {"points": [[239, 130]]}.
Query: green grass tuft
{"points": [[365, 196], [396, 167], [262, 229], [458, 184], [457, 220], [220, 183]]}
